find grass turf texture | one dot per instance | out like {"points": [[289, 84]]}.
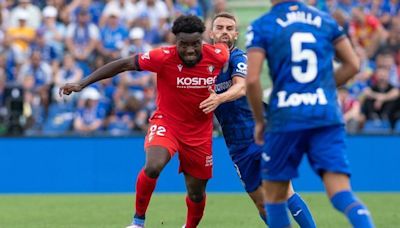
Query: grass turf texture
{"points": [[169, 211]]}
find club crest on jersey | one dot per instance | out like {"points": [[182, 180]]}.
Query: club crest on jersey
{"points": [[166, 51], [217, 50], [211, 68], [180, 66], [145, 56]]}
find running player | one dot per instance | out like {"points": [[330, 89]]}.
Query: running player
{"points": [[235, 117], [184, 73], [300, 43]]}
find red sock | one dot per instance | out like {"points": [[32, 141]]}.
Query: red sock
{"points": [[195, 212], [144, 189]]}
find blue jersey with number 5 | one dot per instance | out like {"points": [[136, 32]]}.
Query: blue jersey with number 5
{"points": [[298, 42]]}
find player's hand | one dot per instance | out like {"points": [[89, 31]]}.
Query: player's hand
{"points": [[211, 103], [68, 88], [259, 129]]}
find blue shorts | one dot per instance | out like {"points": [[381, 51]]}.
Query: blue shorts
{"points": [[324, 146], [247, 162]]}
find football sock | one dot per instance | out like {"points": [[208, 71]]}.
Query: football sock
{"points": [[195, 212], [277, 215], [300, 212], [355, 211], [138, 220], [144, 189]]}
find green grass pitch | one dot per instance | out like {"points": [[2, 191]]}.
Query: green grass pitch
{"points": [[169, 210]]}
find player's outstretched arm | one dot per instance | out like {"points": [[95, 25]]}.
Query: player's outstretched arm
{"points": [[350, 63], [237, 90], [107, 71], [254, 91]]}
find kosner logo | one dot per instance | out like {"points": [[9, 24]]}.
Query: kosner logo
{"points": [[194, 82], [297, 99]]}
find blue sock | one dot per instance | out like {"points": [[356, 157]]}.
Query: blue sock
{"points": [[355, 211], [277, 215], [138, 220], [264, 218], [300, 212]]}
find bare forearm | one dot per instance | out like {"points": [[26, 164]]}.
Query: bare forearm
{"points": [[234, 92], [343, 74], [255, 100], [109, 70]]}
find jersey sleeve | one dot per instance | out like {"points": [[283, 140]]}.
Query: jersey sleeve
{"points": [[337, 32], [152, 60], [239, 65], [254, 37]]}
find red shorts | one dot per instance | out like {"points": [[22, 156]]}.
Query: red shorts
{"points": [[195, 160]]}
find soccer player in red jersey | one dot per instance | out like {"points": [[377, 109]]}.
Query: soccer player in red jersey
{"points": [[185, 71]]}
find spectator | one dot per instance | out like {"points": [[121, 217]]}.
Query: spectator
{"points": [[89, 117], [81, 40], [363, 78], [157, 13], [127, 12], [20, 37], [47, 51], [36, 76], [385, 59], [380, 98], [34, 16], [188, 7], [366, 31], [136, 43], [114, 36], [350, 108], [53, 31]]}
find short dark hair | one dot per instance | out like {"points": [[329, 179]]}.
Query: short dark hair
{"points": [[224, 15], [188, 24]]}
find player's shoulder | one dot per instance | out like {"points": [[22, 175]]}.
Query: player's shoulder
{"points": [[216, 52], [214, 49], [237, 54]]}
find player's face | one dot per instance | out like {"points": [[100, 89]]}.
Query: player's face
{"points": [[224, 31], [189, 47]]}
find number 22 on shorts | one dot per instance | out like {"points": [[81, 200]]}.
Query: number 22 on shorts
{"points": [[156, 130]]}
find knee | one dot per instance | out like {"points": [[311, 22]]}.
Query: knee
{"points": [[153, 170], [196, 196]]}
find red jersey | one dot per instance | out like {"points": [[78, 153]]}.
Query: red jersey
{"points": [[181, 89]]}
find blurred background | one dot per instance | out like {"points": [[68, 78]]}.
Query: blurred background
{"points": [[44, 44]]}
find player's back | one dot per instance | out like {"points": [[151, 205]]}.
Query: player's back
{"points": [[299, 45]]}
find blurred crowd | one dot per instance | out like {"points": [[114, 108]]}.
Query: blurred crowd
{"points": [[46, 43], [370, 102]]}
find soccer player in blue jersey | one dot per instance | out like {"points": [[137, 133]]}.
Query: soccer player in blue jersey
{"points": [[233, 113], [304, 117]]}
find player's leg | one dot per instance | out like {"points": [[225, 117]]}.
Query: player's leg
{"points": [[327, 157], [196, 163], [160, 147], [247, 165], [299, 209], [343, 199], [279, 163], [195, 200], [276, 203]]}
